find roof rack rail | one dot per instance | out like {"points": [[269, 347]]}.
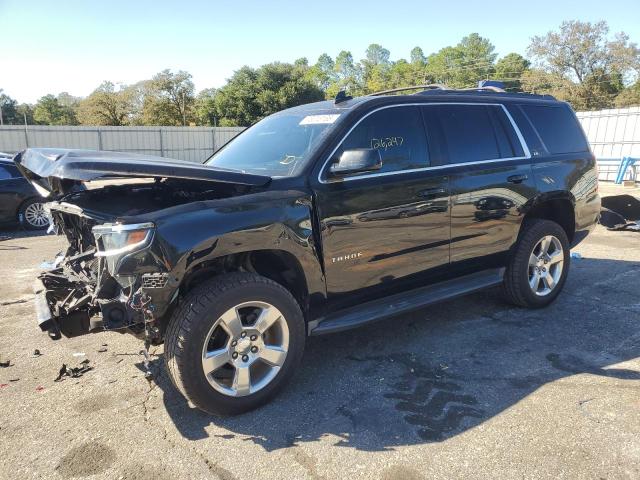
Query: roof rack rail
{"points": [[486, 88], [430, 86]]}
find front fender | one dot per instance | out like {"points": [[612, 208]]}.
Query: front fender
{"points": [[190, 235]]}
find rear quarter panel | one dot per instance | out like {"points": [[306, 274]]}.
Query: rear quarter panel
{"points": [[572, 176]]}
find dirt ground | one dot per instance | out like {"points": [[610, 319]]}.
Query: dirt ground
{"points": [[472, 388]]}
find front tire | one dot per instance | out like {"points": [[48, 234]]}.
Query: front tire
{"points": [[234, 342], [538, 266]]}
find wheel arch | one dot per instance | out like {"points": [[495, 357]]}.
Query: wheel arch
{"points": [[558, 207], [281, 266]]}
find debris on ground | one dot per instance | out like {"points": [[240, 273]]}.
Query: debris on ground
{"points": [[13, 302], [39, 388], [5, 362], [36, 353], [103, 348], [73, 372], [2, 385], [79, 354], [576, 256], [626, 205], [620, 212], [14, 379]]}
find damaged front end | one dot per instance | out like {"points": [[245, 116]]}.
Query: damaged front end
{"points": [[88, 289], [116, 273]]}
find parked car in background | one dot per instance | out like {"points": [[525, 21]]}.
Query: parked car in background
{"points": [[19, 200]]}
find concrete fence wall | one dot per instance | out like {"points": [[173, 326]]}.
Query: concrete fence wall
{"points": [[192, 144]]}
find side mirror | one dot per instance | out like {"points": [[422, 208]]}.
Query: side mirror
{"points": [[357, 160]]}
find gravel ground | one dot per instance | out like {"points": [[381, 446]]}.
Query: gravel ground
{"points": [[471, 388]]}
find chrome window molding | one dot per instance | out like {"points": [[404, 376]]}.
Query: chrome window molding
{"points": [[523, 144]]}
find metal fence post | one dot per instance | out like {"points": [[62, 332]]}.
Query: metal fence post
{"points": [[26, 137], [99, 138], [161, 145]]}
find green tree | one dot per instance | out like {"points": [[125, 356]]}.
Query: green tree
{"points": [[463, 65], [107, 105], [598, 91], [169, 99], [509, 70], [25, 114], [68, 101], [375, 68], [540, 81], [322, 74], [8, 109], [205, 107], [348, 75], [405, 74], [594, 66], [581, 49], [418, 57], [49, 110], [629, 97], [251, 94]]}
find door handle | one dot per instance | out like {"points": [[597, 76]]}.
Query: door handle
{"points": [[431, 192], [517, 178]]}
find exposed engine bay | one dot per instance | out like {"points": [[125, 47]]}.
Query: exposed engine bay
{"points": [[98, 284]]}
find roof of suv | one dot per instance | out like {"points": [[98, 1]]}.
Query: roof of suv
{"points": [[426, 96]]}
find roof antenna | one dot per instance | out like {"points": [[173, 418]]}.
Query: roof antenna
{"points": [[342, 97]]}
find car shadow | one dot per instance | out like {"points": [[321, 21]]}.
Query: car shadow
{"points": [[431, 375]]}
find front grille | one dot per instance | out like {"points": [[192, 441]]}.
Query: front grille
{"points": [[154, 280]]}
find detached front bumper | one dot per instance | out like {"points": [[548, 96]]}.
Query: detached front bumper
{"points": [[43, 312]]}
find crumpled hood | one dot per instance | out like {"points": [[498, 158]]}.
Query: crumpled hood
{"points": [[57, 171]]}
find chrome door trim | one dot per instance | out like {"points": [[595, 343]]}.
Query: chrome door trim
{"points": [[523, 144]]}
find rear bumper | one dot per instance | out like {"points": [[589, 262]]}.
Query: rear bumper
{"points": [[587, 218]]}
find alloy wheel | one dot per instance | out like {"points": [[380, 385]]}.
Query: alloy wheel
{"points": [[545, 265], [245, 348], [35, 215]]}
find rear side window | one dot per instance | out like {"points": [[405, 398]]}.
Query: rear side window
{"points": [[558, 128], [397, 133], [477, 132], [7, 172]]}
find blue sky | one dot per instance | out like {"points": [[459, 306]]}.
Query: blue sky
{"points": [[53, 46]]}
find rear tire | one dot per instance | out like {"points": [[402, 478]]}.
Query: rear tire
{"points": [[220, 353], [538, 266]]}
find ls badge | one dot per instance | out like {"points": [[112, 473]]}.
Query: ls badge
{"points": [[342, 258]]}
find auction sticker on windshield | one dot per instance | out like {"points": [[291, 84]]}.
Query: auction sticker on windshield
{"points": [[319, 119]]}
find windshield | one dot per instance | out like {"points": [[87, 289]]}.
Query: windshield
{"points": [[276, 146]]}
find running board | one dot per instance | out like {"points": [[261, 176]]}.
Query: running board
{"points": [[405, 302]]}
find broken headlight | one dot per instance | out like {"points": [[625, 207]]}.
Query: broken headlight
{"points": [[116, 241]]}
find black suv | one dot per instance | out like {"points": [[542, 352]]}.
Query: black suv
{"points": [[316, 219]]}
